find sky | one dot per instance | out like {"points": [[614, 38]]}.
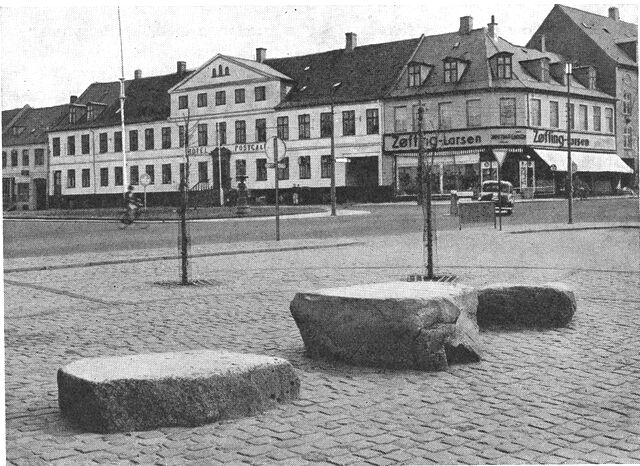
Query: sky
{"points": [[49, 53]]}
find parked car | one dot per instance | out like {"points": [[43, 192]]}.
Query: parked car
{"points": [[489, 192]]}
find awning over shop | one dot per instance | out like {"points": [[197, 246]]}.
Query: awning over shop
{"points": [[590, 162]]}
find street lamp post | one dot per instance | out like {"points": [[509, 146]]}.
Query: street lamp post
{"points": [[334, 88], [568, 71]]}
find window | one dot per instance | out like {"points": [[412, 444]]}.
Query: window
{"points": [[400, 119], [261, 93], [149, 170], [221, 98], [104, 176], [166, 137], [608, 119], [450, 71], [325, 166], [148, 138], [326, 124], [239, 96], [597, 119], [627, 140], [226, 70], [202, 99], [84, 143], [283, 127], [415, 78], [23, 192], [183, 101], [203, 172], [117, 141], [25, 157], [222, 133], [86, 178], [38, 157], [117, 176], [415, 118], [71, 178], [71, 145], [504, 67], [349, 123], [103, 143], [14, 158], [90, 112], [134, 175], [544, 71], [55, 142], [4, 159], [261, 169], [304, 126], [72, 114], [583, 121], [203, 134], [507, 111], [166, 173], [181, 136], [536, 109], [241, 132], [283, 169], [133, 140], [261, 130], [474, 113], [554, 115], [241, 167], [304, 163], [373, 123], [626, 103], [444, 115], [571, 116]]}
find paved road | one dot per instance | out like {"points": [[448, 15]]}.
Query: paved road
{"points": [[565, 395], [28, 238]]}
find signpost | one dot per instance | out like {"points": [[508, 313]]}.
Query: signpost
{"points": [[500, 156], [273, 148], [145, 180]]}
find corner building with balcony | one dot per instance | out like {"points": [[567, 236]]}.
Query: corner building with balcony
{"points": [[485, 99]]}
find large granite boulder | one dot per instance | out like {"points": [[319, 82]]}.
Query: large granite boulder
{"points": [[189, 388], [400, 325], [522, 306]]}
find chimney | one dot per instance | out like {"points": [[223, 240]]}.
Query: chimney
{"points": [[493, 31], [261, 55], [137, 74], [352, 41], [73, 99], [541, 43], [614, 13], [182, 67], [466, 24]]}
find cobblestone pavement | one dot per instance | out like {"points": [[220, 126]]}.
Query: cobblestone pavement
{"points": [[565, 395]]}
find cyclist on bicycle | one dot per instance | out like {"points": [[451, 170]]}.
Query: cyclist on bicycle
{"points": [[132, 205]]}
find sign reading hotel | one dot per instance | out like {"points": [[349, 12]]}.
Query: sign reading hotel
{"points": [[236, 148]]}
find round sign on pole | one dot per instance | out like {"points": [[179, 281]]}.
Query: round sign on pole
{"points": [[553, 167], [268, 147], [145, 180]]}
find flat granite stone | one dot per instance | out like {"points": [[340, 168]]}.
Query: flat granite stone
{"points": [[400, 325], [191, 388], [525, 306]]}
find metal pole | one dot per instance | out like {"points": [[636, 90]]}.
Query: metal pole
{"points": [[219, 165], [125, 183], [275, 159], [569, 70], [333, 162], [499, 197]]}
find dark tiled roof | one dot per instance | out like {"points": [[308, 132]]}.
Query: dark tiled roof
{"points": [[366, 73], [606, 32], [36, 123], [147, 100], [7, 116]]}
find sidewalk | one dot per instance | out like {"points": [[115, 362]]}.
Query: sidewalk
{"points": [[565, 395]]}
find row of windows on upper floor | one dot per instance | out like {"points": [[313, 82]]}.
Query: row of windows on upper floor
{"points": [[507, 116], [220, 133], [261, 172], [38, 158], [202, 100]]}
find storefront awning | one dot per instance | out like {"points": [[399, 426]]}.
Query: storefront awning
{"points": [[589, 162]]}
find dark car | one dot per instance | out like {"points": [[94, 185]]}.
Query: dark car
{"points": [[490, 193]]}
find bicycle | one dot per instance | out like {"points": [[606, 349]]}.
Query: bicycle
{"points": [[131, 214]]}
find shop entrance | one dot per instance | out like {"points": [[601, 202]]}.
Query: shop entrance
{"points": [[40, 193]]}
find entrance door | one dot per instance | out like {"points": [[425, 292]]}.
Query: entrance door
{"points": [[40, 193], [57, 188]]}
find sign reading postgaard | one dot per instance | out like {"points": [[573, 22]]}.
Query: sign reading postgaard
{"points": [[236, 148]]}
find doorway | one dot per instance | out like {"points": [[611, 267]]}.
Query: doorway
{"points": [[40, 193]]}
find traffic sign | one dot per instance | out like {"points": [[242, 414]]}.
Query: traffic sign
{"points": [[553, 167], [145, 180], [500, 156], [574, 167], [268, 147], [273, 165]]}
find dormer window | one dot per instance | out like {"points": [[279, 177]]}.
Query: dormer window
{"points": [[417, 74], [90, 112], [17, 130], [450, 71], [72, 114], [504, 70]]}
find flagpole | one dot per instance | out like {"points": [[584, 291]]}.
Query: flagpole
{"points": [[125, 183]]}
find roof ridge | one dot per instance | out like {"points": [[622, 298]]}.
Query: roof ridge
{"points": [[597, 14]]}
